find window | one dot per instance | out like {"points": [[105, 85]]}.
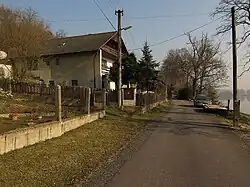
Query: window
{"points": [[48, 63], [57, 61], [51, 83], [104, 64], [74, 82]]}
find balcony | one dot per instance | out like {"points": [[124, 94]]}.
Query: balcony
{"points": [[110, 50]]}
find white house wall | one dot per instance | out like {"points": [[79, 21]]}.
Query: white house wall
{"points": [[78, 67], [98, 72]]}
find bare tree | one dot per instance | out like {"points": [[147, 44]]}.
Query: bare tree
{"points": [[23, 34], [173, 67], [207, 65], [60, 33], [242, 10], [200, 64]]}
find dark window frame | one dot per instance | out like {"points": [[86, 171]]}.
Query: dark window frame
{"points": [[74, 82]]}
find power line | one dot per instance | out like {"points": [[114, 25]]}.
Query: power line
{"points": [[168, 16], [77, 20], [176, 37], [132, 37], [181, 36], [134, 18], [104, 14], [110, 4]]}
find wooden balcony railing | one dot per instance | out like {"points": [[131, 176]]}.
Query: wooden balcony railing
{"points": [[110, 50]]}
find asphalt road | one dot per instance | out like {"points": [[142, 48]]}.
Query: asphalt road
{"points": [[187, 149]]}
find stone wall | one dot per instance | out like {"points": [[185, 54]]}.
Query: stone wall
{"points": [[23, 137], [151, 106]]}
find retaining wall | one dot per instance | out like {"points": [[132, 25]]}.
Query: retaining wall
{"points": [[129, 102], [23, 137], [151, 106]]}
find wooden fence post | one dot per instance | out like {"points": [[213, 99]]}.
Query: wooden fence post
{"points": [[82, 96], [92, 100], [228, 107], [238, 109], [58, 103], [104, 99], [122, 92], [146, 101], [87, 100]]}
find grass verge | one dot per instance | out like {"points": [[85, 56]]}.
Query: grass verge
{"points": [[244, 120], [70, 158]]}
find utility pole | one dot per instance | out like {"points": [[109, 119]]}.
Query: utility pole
{"points": [[119, 13], [235, 100]]}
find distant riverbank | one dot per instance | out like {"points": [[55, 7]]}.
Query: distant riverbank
{"points": [[244, 106]]}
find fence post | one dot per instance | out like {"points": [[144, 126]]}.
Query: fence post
{"points": [[82, 96], [122, 92], [58, 103], [104, 99], [92, 100], [146, 101], [228, 107], [41, 89], [238, 109], [87, 101]]}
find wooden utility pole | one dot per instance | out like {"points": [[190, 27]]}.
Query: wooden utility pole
{"points": [[119, 13], [235, 100]]}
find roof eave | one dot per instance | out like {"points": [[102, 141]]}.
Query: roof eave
{"points": [[68, 53]]}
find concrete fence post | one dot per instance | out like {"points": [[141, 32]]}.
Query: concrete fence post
{"points": [[58, 103], [87, 102]]}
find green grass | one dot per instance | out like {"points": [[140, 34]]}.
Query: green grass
{"points": [[66, 160]]}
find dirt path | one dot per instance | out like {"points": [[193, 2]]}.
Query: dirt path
{"points": [[186, 148]]}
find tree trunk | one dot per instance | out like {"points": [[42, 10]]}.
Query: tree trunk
{"points": [[194, 88], [201, 86]]}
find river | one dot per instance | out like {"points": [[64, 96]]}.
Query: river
{"points": [[244, 106]]}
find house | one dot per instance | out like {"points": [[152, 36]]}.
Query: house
{"points": [[83, 60]]}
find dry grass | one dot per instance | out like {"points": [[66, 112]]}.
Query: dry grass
{"points": [[66, 160], [7, 124], [24, 104], [244, 120], [30, 106]]}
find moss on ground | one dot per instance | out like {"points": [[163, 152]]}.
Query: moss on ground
{"points": [[66, 160]]}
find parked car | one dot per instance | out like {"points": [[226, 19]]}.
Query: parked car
{"points": [[201, 100]]}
